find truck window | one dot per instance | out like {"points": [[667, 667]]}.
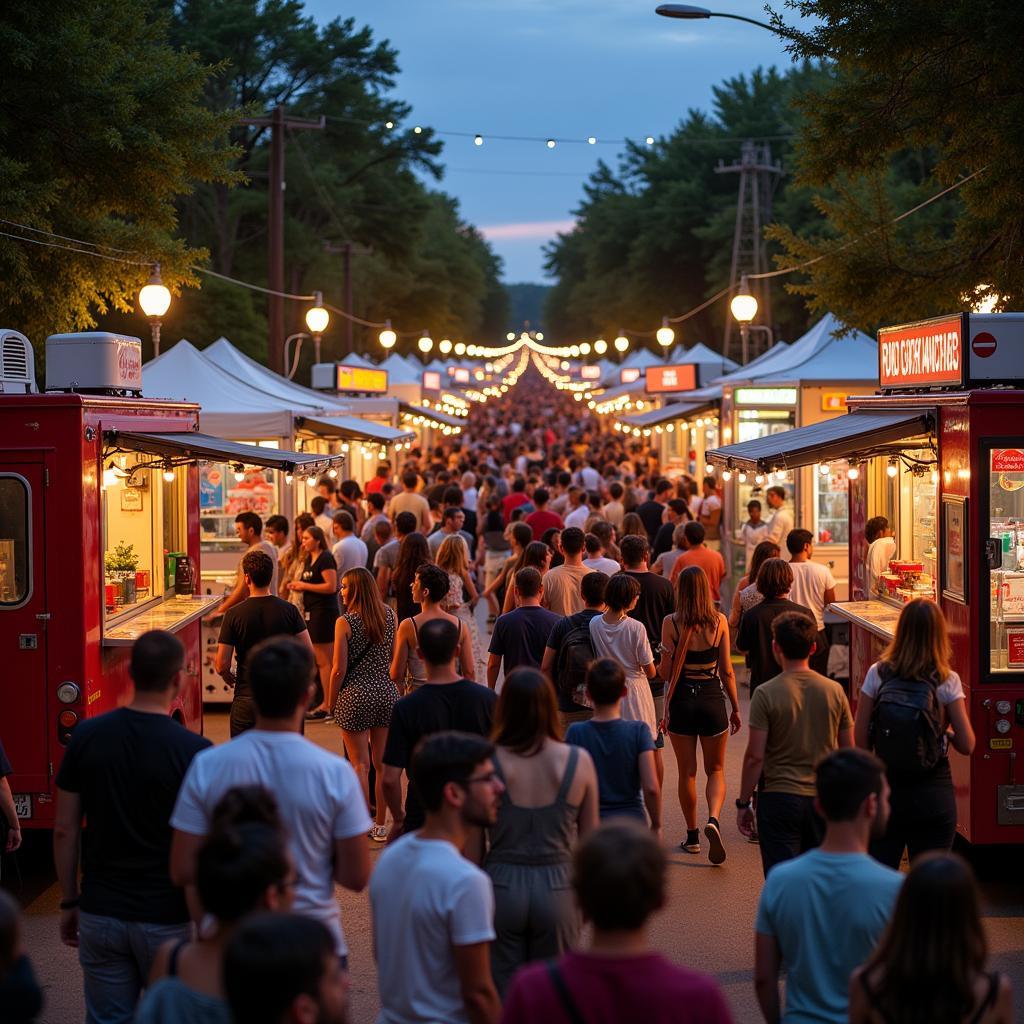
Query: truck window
{"points": [[15, 570]]}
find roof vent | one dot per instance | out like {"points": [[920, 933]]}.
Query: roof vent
{"points": [[17, 364], [94, 363]]}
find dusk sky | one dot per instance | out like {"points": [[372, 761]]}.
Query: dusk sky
{"points": [[549, 68]]}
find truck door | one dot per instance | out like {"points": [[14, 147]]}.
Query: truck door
{"points": [[24, 727]]}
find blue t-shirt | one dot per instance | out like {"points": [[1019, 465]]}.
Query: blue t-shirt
{"points": [[615, 747], [521, 635], [827, 912]]}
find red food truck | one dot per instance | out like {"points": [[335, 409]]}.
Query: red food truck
{"points": [[99, 542], [939, 451]]}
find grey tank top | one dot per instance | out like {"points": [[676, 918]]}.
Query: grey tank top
{"points": [[536, 835], [415, 670]]}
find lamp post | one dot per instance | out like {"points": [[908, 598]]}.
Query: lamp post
{"points": [[744, 308], [690, 13], [154, 301], [317, 319]]}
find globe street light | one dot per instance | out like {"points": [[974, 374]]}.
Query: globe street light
{"points": [[317, 319], [744, 308], [154, 301]]}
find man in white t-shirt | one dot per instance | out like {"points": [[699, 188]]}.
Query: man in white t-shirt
{"points": [[881, 548], [433, 910], [781, 521], [349, 551], [711, 514], [580, 512], [318, 794], [814, 588], [753, 531]]}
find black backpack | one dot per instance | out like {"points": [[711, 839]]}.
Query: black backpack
{"points": [[906, 726], [574, 658]]}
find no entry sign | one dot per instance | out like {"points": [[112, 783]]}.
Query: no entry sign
{"points": [[983, 344]]}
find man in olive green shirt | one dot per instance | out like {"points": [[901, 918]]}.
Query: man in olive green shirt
{"points": [[796, 718]]}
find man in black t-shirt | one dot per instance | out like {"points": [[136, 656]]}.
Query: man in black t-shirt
{"points": [[651, 511], [443, 703], [121, 772], [259, 617], [520, 635]]}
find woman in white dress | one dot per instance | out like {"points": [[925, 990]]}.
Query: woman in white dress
{"points": [[615, 635], [462, 596]]}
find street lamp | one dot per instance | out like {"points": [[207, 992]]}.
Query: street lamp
{"points": [[317, 319], [689, 13], [154, 301], [744, 308]]}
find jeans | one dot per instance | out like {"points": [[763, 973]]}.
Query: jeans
{"points": [[116, 957], [787, 825], [243, 711]]}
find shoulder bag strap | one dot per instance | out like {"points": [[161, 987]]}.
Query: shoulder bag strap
{"points": [[572, 1011]]}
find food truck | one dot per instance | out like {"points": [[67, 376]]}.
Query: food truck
{"points": [[939, 451], [99, 541], [807, 382]]}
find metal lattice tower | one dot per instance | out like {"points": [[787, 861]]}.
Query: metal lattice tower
{"points": [[759, 177]]}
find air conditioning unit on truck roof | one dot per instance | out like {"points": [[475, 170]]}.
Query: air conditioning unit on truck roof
{"points": [[94, 363], [17, 364]]}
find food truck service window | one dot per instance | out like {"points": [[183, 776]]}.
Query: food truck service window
{"points": [[1004, 555], [15, 519], [832, 503], [222, 496], [143, 522]]}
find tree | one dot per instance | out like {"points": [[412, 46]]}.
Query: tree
{"points": [[654, 237], [101, 130], [925, 95]]}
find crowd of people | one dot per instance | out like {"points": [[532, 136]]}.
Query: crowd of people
{"points": [[516, 772]]}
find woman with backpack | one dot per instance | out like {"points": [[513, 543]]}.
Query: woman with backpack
{"points": [[911, 706]]}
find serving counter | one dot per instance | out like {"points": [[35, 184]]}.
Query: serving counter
{"points": [[171, 615], [877, 617]]}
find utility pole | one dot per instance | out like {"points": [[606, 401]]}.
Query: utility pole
{"points": [[278, 123], [347, 250], [759, 177]]}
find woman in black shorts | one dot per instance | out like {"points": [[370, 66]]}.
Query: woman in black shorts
{"points": [[696, 660], [318, 583]]}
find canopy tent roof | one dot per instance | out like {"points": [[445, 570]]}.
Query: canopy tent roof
{"points": [[191, 446], [700, 353], [764, 357], [641, 357], [670, 413], [857, 434], [399, 371], [816, 355]]}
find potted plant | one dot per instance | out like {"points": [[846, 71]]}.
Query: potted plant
{"points": [[121, 564]]}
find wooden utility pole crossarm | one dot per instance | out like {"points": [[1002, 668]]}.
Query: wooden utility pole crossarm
{"points": [[278, 123]]}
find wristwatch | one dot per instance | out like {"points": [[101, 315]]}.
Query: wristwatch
{"points": [[744, 805]]}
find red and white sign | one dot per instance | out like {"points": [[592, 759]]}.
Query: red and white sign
{"points": [[925, 354], [663, 379], [129, 363], [1014, 647], [629, 375], [1007, 460], [431, 380], [983, 344]]}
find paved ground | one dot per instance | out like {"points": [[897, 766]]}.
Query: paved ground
{"points": [[708, 924]]}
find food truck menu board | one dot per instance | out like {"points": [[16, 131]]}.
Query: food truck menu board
{"points": [[222, 497]]}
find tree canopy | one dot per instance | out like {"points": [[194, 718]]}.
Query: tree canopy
{"points": [[925, 95], [654, 234]]}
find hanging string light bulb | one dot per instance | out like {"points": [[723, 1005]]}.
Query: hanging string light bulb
{"points": [[665, 334], [621, 342]]}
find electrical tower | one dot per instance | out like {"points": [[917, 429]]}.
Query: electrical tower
{"points": [[759, 177]]}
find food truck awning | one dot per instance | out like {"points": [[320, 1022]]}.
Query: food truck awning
{"points": [[189, 446], [352, 428], [670, 413], [408, 409], [855, 434]]}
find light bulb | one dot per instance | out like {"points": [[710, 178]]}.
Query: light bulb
{"points": [[621, 343], [332, 473], [743, 304], [345, 447], [426, 343], [382, 454], [511, 336], [665, 334], [709, 470], [600, 346], [289, 478], [418, 130], [311, 481], [823, 469], [574, 351], [460, 348], [317, 318], [759, 478], [649, 140], [585, 348], [726, 475], [743, 478], [478, 140], [387, 337], [540, 335], [853, 472], [169, 474], [892, 469], [935, 476], [239, 473], [154, 298], [551, 143], [591, 141], [444, 346]]}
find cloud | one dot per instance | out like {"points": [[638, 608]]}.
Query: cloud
{"points": [[537, 229]]}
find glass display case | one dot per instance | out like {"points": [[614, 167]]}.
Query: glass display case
{"points": [[225, 491], [1006, 558]]}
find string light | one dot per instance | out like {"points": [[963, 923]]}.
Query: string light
{"points": [[550, 143], [478, 140], [600, 346], [621, 343], [892, 469], [444, 346], [665, 334], [426, 343]]}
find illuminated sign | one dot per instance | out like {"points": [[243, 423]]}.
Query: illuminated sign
{"points": [[663, 379], [590, 373], [833, 401], [765, 396], [361, 378], [431, 380], [1007, 460], [928, 354], [459, 374], [629, 375]]}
